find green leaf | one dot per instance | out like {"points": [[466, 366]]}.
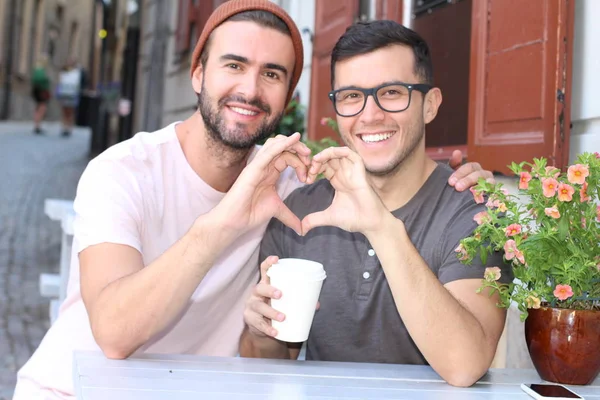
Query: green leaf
{"points": [[563, 228]]}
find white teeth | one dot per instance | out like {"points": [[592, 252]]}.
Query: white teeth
{"points": [[378, 137], [243, 111]]}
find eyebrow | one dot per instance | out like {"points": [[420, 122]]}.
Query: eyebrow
{"points": [[380, 84], [242, 59]]}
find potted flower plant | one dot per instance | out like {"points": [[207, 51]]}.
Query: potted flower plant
{"points": [[550, 235]]}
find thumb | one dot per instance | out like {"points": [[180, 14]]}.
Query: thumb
{"points": [[322, 218], [455, 159]]}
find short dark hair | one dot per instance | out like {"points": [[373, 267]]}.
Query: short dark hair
{"points": [[366, 37], [262, 18]]}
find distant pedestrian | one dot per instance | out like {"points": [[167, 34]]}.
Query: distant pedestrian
{"points": [[68, 93], [40, 91]]}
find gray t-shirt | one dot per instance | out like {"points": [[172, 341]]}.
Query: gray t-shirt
{"points": [[358, 320]]}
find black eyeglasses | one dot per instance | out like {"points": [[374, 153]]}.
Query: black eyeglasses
{"points": [[390, 97]]}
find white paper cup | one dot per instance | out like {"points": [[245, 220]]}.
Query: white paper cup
{"points": [[300, 283]]}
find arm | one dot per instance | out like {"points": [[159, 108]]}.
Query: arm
{"points": [[456, 329], [128, 303]]}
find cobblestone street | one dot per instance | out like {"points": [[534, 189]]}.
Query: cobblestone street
{"points": [[32, 168]]}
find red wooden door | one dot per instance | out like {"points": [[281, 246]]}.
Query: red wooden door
{"points": [[331, 20], [520, 81]]}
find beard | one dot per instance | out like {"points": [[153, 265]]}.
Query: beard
{"points": [[239, 137]]}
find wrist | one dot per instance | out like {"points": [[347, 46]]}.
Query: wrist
{"points": [[212, 233], [389, 226]]}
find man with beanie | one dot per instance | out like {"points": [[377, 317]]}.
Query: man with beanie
{"points": [[168, 224]]}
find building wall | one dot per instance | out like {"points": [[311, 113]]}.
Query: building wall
{"points": [[585, 116]]}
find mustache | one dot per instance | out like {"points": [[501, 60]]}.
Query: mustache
{"points": [[255, 102]]}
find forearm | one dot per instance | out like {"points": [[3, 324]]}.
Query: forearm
{"points": [[252, 346], [130, 311], [449, 336]]}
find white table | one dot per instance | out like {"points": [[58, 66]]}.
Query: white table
{"points": [[152, 377]]}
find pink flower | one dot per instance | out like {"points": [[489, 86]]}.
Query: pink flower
{"points": [[565, 192], [512, 230], [555, 172], [598, 213], [462, 252], [563, 292], [478, 196], [583, 196], [597, 154], [524, 180], [492, 274], [511, 251], [324, 121], [577, 173], [549, 185], [552, 212], [583, 223], [482, 217]]}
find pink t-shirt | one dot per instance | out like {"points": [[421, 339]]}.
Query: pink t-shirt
{"points": [[143, 193]]}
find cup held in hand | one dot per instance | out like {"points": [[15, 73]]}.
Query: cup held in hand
{"points": [[300, 283]]}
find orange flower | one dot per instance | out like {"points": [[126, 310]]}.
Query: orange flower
{"points": [[511, 251], [563, 292], [583, 196], [481, 217], [502, 207], [492, 274], [552, 212], [478, 196], [549, 185], [512, 230], [565, 192], [577, 173], [524, 180]]}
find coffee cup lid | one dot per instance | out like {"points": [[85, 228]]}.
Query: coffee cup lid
{"points": [[297, 269]]}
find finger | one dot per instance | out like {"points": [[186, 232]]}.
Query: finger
{"points": [[332, 153], [265, 291], [288, 218], [463, 172], [456, 159], [273, 148], [256, 323], [326, 168], [311, 221], [287, 159], [266, 311], [265, 265]]}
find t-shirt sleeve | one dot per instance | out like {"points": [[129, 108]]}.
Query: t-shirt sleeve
{"points": [[108, 206], [451, 268]]}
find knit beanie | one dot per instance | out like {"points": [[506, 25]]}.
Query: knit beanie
{"points": [[233, 7]]}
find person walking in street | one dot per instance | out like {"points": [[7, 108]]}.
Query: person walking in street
{"points": [[40, 91], [68, 94]]}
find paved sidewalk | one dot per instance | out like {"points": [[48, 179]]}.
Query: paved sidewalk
{"points": [[32, 168]]}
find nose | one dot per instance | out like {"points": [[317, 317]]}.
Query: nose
{"points": [[249, 85], [371, 113]]}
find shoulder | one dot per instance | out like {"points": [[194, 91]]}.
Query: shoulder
{"points": [[128, 163]]}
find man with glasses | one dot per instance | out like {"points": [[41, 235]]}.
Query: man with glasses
{"points": [[385, 226]]}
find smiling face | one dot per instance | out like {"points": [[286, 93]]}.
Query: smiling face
{"points": [[384, 140], [244, 84]]}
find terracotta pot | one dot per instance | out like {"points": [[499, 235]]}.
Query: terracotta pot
{"points": [[564, 344]]}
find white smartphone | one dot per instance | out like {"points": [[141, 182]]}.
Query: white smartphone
{"points": [[543, 391]]}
